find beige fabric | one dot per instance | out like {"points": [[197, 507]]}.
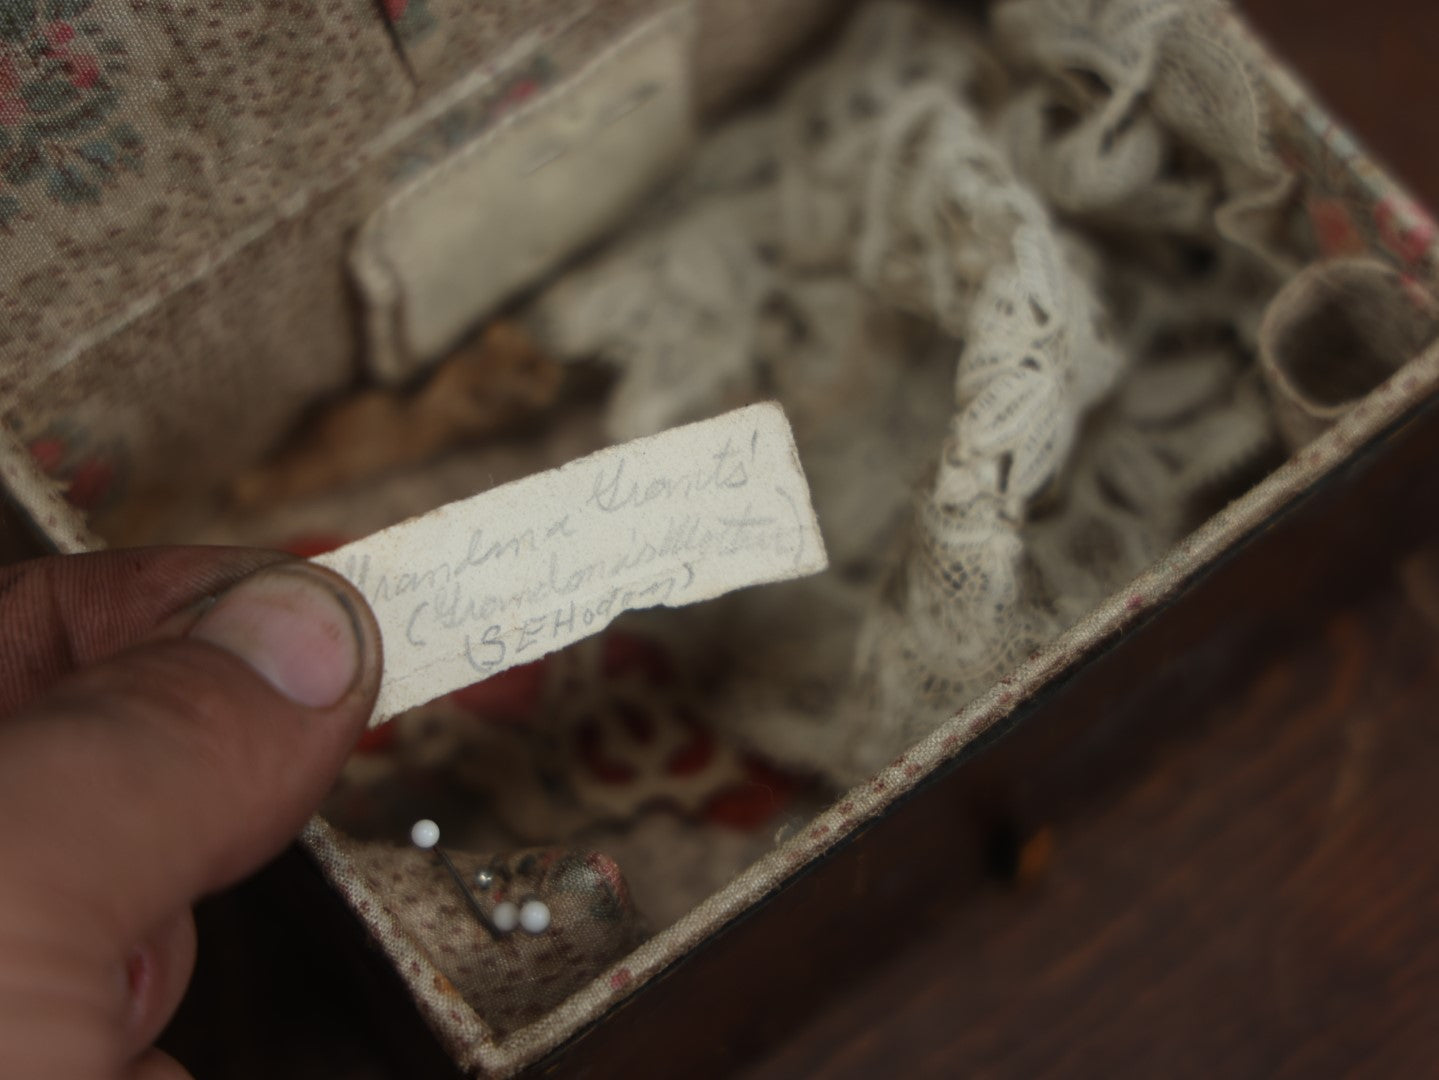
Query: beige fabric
{"points": [[209, 294], [187, 139], [217, 355], [444, 40], [1335, 332], [224, 116], [199, 289], [447, 249], [742, 43]]}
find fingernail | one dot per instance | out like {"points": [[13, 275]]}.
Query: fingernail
{"points": [[293, 628]]}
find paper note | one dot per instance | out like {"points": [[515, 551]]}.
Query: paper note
{"points": [[506, 576]]}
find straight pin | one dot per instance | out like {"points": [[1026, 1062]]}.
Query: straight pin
{"points": [[425, 834]]}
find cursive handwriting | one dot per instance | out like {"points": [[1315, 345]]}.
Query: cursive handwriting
{"points": [[519, 571], [613, 491]]}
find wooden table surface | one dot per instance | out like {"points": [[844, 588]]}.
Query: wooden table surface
{"points": [[1260, 899]]}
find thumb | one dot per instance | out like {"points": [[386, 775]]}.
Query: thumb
{"points": [[178, 766]]}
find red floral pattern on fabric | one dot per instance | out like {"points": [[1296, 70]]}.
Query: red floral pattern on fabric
{"points": [[61, 88], [1334, 227], [1405, 228], [755, 802], [89, 476], [655, 748], [626, 654]]}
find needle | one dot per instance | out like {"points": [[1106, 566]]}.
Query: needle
{"points": [[425, 834]]}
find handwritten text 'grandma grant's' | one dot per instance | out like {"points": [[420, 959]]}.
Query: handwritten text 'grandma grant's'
{"points": [[517, 572]]}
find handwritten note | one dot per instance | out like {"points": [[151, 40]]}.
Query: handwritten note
{"points": [[504, 577]]}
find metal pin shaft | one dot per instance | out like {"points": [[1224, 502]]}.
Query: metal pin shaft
{"points": [[474, 905]]}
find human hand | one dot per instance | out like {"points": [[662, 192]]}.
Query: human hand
{"points": [[168, 720]]}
